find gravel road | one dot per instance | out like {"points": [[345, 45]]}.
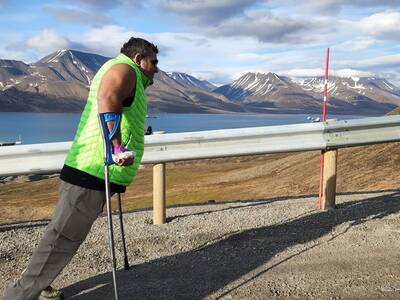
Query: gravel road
{"points": [[278, 248]]}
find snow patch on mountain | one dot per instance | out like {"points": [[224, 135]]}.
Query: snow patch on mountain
{"points": [[191, 81], [253, 84], [342, 84]]}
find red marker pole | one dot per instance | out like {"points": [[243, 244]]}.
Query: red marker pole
{"points": [[321, 175]]}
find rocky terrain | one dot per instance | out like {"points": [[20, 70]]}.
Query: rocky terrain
{"points": [[272, 248]]}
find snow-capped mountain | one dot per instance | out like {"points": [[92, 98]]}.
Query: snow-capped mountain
{"points": [[353, 88], [190, 81], [64, 67], [168, 94], [271, 92], [60, 82], [259, 92], [11, 71], [71, 65], [63, 76], [360, 94], [258, 85], [359, 84]]}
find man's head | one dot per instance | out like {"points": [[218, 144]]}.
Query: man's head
{"points": [[143, 53]]}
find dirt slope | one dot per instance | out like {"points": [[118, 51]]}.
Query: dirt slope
{"points": [[369, 168]]}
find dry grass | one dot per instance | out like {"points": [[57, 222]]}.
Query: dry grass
{"points": [[369, 168]]}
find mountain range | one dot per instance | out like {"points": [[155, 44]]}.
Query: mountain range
{"points": [[270, 93], [60, 81]]}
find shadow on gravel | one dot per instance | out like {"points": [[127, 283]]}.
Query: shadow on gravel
{"points": [[256, 202], [19, 225], [237, 204], [198, 273]]}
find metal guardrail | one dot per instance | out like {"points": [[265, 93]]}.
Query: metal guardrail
{"points": [[33, 159], [233, 142], [358, 132], [46, 158]]}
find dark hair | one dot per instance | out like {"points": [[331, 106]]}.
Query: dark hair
{"points": [[138, 45]]}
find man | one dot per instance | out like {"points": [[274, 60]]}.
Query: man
{"points": [[117, 87]]}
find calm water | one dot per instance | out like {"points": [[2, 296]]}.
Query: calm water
{"points": [[34, 128]]}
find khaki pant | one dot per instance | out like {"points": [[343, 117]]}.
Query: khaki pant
{"points": [[74, 215]]}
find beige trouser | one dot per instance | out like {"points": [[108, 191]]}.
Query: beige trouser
{"points": [[74, 215]]}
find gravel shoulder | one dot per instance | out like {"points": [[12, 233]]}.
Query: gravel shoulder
{"points": [[274, 248]]}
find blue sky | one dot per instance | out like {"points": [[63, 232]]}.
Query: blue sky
{"points": [[217, 40]]}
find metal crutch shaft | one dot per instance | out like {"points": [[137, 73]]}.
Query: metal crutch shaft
{"points": [[121, 222], [114, 119], [111, 231]]}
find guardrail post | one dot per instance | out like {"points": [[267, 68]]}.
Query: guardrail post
{"points": [[329, 183], [159, 194]]}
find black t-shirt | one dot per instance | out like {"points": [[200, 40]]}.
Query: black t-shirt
{"points": [[85, 180]]}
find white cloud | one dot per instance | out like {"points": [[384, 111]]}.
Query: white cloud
{"points": [[106, 40], [186, 52], [100, 4], [47, 41], [76, 15], [217, 78], [351, 73], [208, 12], [322, 6], [267, 27], [384, 61], [383, 25], [216, 55], [333, 7], [249, 18], [14, 55], [315, 72], [358, 44]]}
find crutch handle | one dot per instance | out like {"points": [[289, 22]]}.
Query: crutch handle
{"points": [[105, 118]]}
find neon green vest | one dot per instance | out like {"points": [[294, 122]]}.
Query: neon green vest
{"points": [[86, 153]]}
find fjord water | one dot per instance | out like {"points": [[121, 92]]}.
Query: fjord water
{"points": [[33, 128]]}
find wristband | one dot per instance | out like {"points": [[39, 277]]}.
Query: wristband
{"points": [[118, 149]]}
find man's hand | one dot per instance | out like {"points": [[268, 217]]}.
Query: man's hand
{"points": [[122, 156]]}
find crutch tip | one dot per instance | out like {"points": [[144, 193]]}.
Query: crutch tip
{"points": [[126, 264]]}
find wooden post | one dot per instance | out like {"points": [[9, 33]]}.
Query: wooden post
{"points": [[329, 184], [159, 194]]}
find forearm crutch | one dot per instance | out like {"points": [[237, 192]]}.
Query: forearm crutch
{"points": [[114, 119], [121, 222]]}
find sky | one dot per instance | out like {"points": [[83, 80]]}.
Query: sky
{"points": [[216, 40]]}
